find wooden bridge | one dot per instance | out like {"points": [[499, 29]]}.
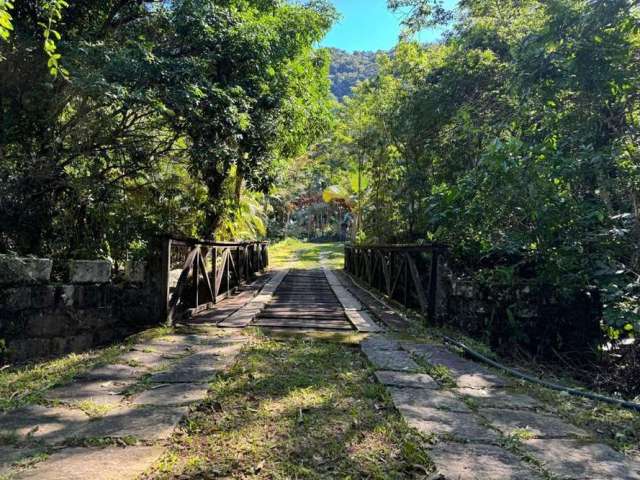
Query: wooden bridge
{"points": [[198, 274]]}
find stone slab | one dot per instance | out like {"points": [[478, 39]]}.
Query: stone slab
{"points": [[391, 360], [474, 462], [241, 318], [212, 358], [463, 426], [90, 271], [146, 360], [479, 379], [416, 400], [197, 368], [142, 423], [101, 392], [221, 350], [362, 321], [112, 373], [24, 270], [111, 463], [166, 349], [380, 342], [437, 355], [538, 424], [576, 460], [467, 374], [48, 425], [185, 375], [171, 394], [498, 398], [194, 339], [11, 455], [406, 380]]}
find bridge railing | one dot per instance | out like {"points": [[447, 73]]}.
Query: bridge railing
{"points": [[197, 274], [408, 274]]}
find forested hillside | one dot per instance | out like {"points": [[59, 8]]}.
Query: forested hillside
{"points": [[347, 69]]}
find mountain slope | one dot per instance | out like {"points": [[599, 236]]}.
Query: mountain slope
{"points": [[347, 69]]}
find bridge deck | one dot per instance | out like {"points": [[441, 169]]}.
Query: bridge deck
{"points": [[304, 300]]}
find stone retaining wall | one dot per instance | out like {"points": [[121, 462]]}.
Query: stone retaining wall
{"points": [[82, 308], [540, 320]]}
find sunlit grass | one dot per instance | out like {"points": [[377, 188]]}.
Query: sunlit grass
{"points": [[26, 384], [294, 253], [298, 408]]}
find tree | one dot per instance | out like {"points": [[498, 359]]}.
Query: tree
{"points": [[513, 140], [53, 14], [163, 106]]}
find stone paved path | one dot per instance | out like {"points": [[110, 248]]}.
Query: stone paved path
{"points": [[134, 407], [480, 427]]}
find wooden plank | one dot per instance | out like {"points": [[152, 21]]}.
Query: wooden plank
{"points": [[303, 324], [182, 281], [216, 286], [433, 287], [314, 301], [397, 279], [313, 316], [303, 296], [347, 300], [386, 274], [196, 275], [206, 277], [286, 309], [359, 319], [245, 315], [305, 305], [220, 273], [363, 322], [305, 289], [415, 276]]}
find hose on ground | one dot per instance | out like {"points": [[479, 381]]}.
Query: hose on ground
{"points": [[515, 373], [530, 378]]}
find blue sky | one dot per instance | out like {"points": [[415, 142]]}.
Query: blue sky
{"points": [[369, 25]]}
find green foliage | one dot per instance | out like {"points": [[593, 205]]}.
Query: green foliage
{"points": [[53, 9], [514, 141], [164, 107], [5, 19]]}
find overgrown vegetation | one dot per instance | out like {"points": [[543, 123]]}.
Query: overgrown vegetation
{"points": [[296, 409]]}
